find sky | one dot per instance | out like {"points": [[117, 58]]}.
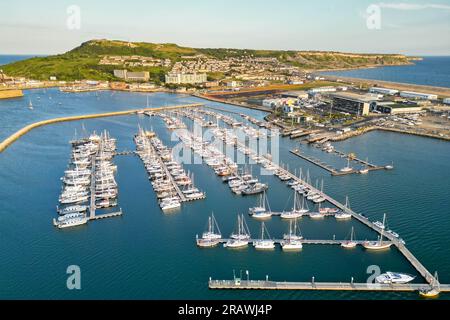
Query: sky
{"points": [[415, 27]]}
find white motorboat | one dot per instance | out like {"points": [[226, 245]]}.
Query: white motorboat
{"points": [[394, 278]]}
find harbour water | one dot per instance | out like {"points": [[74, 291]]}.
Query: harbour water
{"points": [[148, 255], [431, 71]]}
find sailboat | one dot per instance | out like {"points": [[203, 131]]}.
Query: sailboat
{"points": [[295, 213], [260, 212], [344, 215], [292, 241], [241, 237], [349, 244], [212, 236], [378, 245], [264, 244], [317, 215], [30, 105], [365, 170], [347, 168]]}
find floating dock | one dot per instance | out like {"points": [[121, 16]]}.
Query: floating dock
{"points": [[324, 286], [334, 171]]}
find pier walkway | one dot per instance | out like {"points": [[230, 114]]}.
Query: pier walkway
{"points": [[310, 241], [326, 286]]}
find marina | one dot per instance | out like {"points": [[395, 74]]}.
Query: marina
{"points": [[88, 183], [195, 215]]}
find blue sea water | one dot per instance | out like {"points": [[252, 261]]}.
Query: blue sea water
{"points": [[8, 58], [148, 255], [432, 71]]}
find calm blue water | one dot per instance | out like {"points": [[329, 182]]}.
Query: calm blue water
{"points": [[146, 254], [432, 71], [5, 58]]}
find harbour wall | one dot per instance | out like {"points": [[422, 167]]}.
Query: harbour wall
{"points": [[8, 141]]}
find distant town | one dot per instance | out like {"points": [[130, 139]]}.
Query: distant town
{"points": [[300, 102]]}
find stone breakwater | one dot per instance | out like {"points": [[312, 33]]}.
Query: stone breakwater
{"points": [[8, 141]]}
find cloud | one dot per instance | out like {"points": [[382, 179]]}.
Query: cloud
{"points": [[412, 6]]}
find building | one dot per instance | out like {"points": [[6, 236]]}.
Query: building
{"points": [[186, 78], [321, 90], [353, 103], [387, 91], [418, 95], [295, 94], [397, 108], [132, 76], [446, 101]]}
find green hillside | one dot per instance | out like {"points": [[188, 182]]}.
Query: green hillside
{"points": [[82, 62]]}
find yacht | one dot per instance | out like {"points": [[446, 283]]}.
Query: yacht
{"points": [[240, 238], [342, 215], [292, 242], [213, 231], [72, 222], [170, 204], [260, 211], [72, 209], [349, 244], [347, 168], [296, 212], [294, 232], [394, 278], [378, 245], [264, 244]]}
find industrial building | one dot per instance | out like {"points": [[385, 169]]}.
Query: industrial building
{"points": [[396, 108], [186, 78], [353, 103], [446, 101], [387, 91], [418, 95], [321, 90]]}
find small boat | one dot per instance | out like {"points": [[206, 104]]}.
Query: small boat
{"points": [[264, 244], [394, 278], [72, 223], [390, 166], [30, 105], [433, 290], [350, 243]]}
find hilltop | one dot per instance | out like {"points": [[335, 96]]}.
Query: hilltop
{"points": [[83, 62]]}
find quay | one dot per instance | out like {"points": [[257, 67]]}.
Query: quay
{"points": [[239, 284], [10, 140]]}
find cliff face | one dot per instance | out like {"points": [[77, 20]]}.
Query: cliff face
{"points": [[83, 62]]}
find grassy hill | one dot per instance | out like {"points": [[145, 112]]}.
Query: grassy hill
{"points": [[82, 62]]}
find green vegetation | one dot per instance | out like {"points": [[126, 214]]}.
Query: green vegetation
{"points": [[82, 62]]}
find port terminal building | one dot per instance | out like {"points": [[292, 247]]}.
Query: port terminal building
{"points": [[353, 103]]}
